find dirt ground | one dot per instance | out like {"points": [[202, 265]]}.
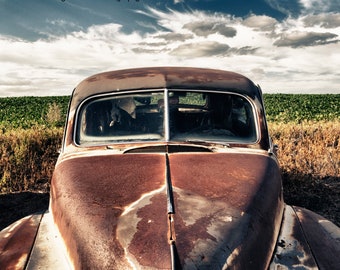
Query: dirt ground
{"points": [[14, 206], [17, 205]]}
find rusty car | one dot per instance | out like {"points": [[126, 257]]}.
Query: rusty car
{"points": [[168, 168]]}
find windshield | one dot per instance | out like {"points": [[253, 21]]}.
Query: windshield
{"points": [[167, 115]]}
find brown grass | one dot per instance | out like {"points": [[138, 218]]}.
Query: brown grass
{"points": [[308, 153], [309, 158], [28, 158]]}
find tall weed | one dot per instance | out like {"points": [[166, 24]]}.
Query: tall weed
{"points": [[309, 158], [308, 154], [27, 158], [311, 148]]}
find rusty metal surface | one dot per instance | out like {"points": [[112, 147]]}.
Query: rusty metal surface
{"points": [[292, 250], [228, 209], [322, 236], [48, 251], [162, 77], [141, 206], [112, 217], [90, 194], [16, 242]]}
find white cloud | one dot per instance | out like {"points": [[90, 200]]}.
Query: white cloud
{"points": [[201, 49], [303, 39], [260, 22], [324, 20], [319, 6], [293, 55], [298, 7], [206, 28]]}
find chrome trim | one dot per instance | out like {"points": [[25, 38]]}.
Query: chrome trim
{"points": [[166, 123]]}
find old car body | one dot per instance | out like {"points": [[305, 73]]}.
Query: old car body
{"points": [[168, 168]]}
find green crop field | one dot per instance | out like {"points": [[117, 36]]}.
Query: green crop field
{"points": [[296, 108], [25, 112]]}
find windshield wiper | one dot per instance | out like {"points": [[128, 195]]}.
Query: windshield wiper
{"points": [[209, 144]]}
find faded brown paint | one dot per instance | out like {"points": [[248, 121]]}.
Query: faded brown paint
{"points": [[160, 78], [149, 245], [99, 208], [292, 250], [112, 210], [219, 198], [322, 236], [91, 193], [16, 242]]}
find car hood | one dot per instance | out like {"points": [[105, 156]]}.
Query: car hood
{"points": [[159, 210]]}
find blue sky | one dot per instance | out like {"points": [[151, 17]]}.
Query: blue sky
{"points": [[288, 46]]}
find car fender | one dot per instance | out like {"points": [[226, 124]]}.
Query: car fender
{"points": [[16, 242], [49, 250], [306, 240]]}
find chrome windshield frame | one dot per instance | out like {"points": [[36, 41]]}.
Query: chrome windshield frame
{"points": [[165, 92], [166, 121]]}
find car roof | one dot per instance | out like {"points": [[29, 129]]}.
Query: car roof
{"points": [[163, 77]]}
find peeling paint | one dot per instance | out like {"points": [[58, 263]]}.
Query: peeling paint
{"points": [[292, 251], [161, 209], [142, 201]]}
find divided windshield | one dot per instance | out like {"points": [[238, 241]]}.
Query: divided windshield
{"points": [[167, 115]]}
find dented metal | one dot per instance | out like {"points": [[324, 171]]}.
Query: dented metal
{"points": [[151, 200]]}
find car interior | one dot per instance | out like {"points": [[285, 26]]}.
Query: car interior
{"points": [[175, 115]]}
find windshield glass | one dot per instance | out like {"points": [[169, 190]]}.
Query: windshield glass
{"points": [[168, 115]]}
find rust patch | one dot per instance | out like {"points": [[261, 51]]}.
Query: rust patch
{"points": [[89, 194], [231, 177], [206, 231], [238, 205], [323, 238], [148, 247], [16, 242], [292, 250], [171, 229], [162, 77]]}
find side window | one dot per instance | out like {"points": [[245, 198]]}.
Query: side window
{"points": [[231, 113], [243, 122], [106, 116]]}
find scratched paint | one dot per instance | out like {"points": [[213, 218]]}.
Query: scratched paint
{"points": [[121, 206], [127, 226], [292, 251]]}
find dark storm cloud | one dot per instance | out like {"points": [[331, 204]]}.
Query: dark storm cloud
{"points": [[205, 29], [305, 39]]}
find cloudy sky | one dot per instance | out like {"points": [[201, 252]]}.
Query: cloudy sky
{"points": [[48, 46]]}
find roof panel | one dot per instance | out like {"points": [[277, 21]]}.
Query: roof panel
{"points": [[163, 77]]}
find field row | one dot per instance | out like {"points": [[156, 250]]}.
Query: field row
{"points": [[25, 112]]}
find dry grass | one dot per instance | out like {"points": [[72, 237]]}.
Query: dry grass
{"points": [[308, 154], [309, 157], [28, 158]]}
